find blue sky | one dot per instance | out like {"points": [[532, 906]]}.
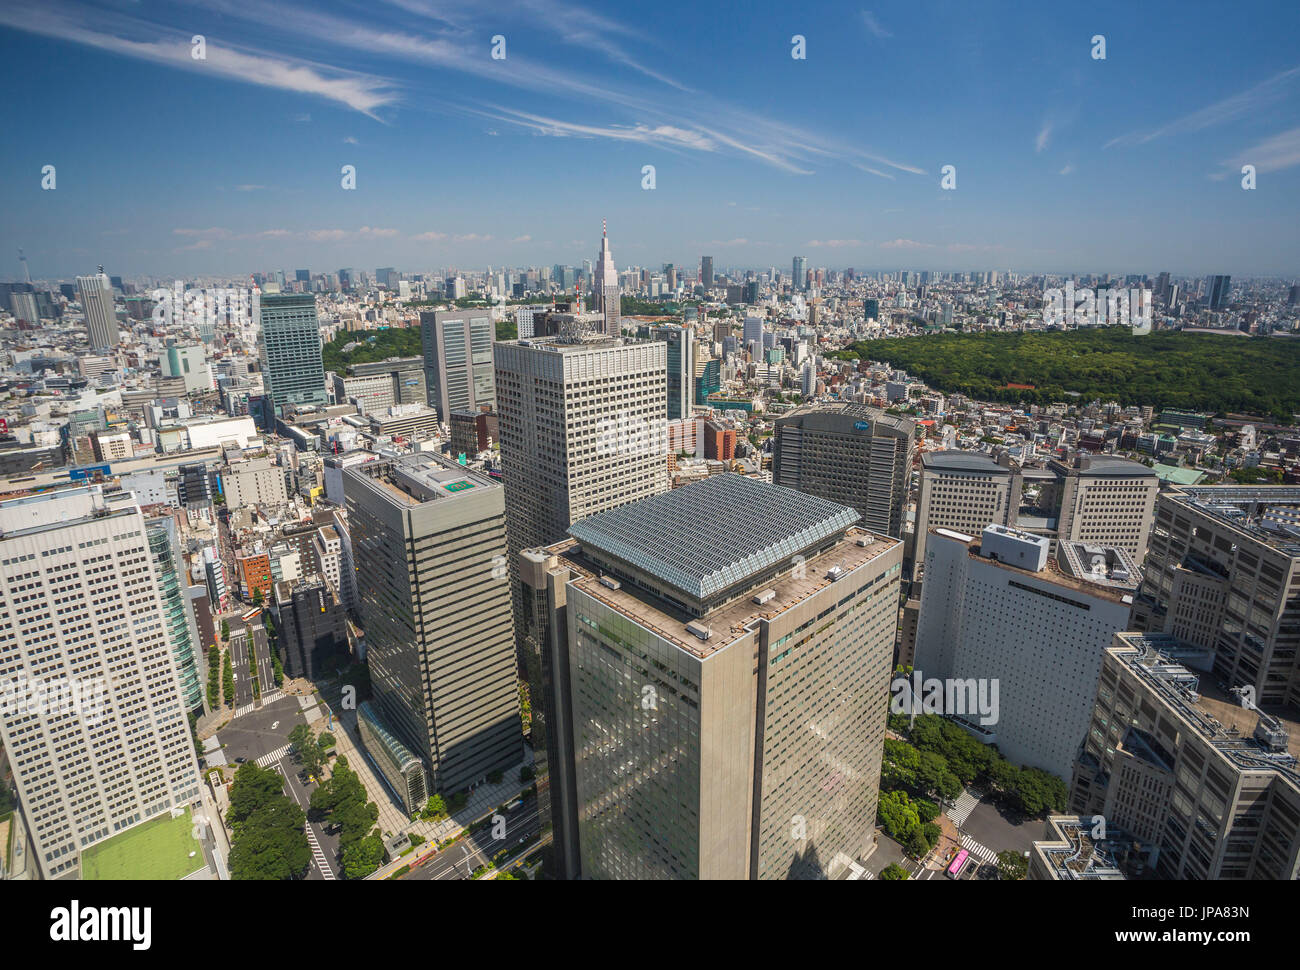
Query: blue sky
{"points": [[170, 165]]}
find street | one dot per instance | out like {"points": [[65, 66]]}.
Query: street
{"points": [[460, 860]]}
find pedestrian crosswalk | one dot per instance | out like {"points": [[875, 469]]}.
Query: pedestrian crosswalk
{"points": [[964, 805], [318, 856], [272, 757], [978, 850], [271, 696], [246, 709]]}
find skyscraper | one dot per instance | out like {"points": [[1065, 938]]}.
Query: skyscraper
{"points": [[1027, 633], [429, 543], [458, 360], [721, 654], [95, 294], [1193, 771], [605, 284], [290, 347], [95, 726], [851, 454], [681, 367], [1216, 291], [182, 627], [706, 272], [1221, 573], [561, 403], [799, 272]]}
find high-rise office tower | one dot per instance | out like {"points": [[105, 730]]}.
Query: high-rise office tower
{"points": [[429, 544], [681, 367], [1091, 498], [706, 272], [289, 342], [605, 284], [182, 625], [1186, 768], [1105, 500], [1222, 573], [719, 656], [562, 402], [851, 454], [1025, 634], [1216, 291], [799, 272], [752, 335], [95, 294], [1293, 295], [458, 360], [302, 275], [94, 721], [964, 491]]}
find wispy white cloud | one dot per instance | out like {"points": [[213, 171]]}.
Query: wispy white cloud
{"points": [[1066, 170], [1271, 155], [832, 243], [430, 236], [1244, 104], [1044, 136], [113, 33], [872, 24], [522, 239], [905, 244]]}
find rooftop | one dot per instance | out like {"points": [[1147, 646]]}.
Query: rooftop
{"points": [[954, 460], [706, 537], [419, 478], [730, 621], [1159, 661]]}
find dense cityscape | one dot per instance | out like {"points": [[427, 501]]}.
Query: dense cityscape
{"points": [[885, 562]]}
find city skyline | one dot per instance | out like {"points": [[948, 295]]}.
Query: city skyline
{"points": [[1063, 162]]}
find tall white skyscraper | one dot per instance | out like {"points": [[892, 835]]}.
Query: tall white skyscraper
{"points": [[1025, 633], [605, 283], [95, 294], [92, 716]]}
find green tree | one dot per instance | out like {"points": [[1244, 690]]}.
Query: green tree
{"points": [[1012, 865], [434, 809], [271, 843], [893, 872], [253, 788], [225, 631], [363, 857], [257, 596], [305, 749], [228, 679]]}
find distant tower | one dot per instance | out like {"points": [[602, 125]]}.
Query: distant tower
{"points": [[605, 283], [27, 273], [96, 296]]}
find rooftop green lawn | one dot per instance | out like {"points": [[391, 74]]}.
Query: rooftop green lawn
{"points": [[158, 849]]}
